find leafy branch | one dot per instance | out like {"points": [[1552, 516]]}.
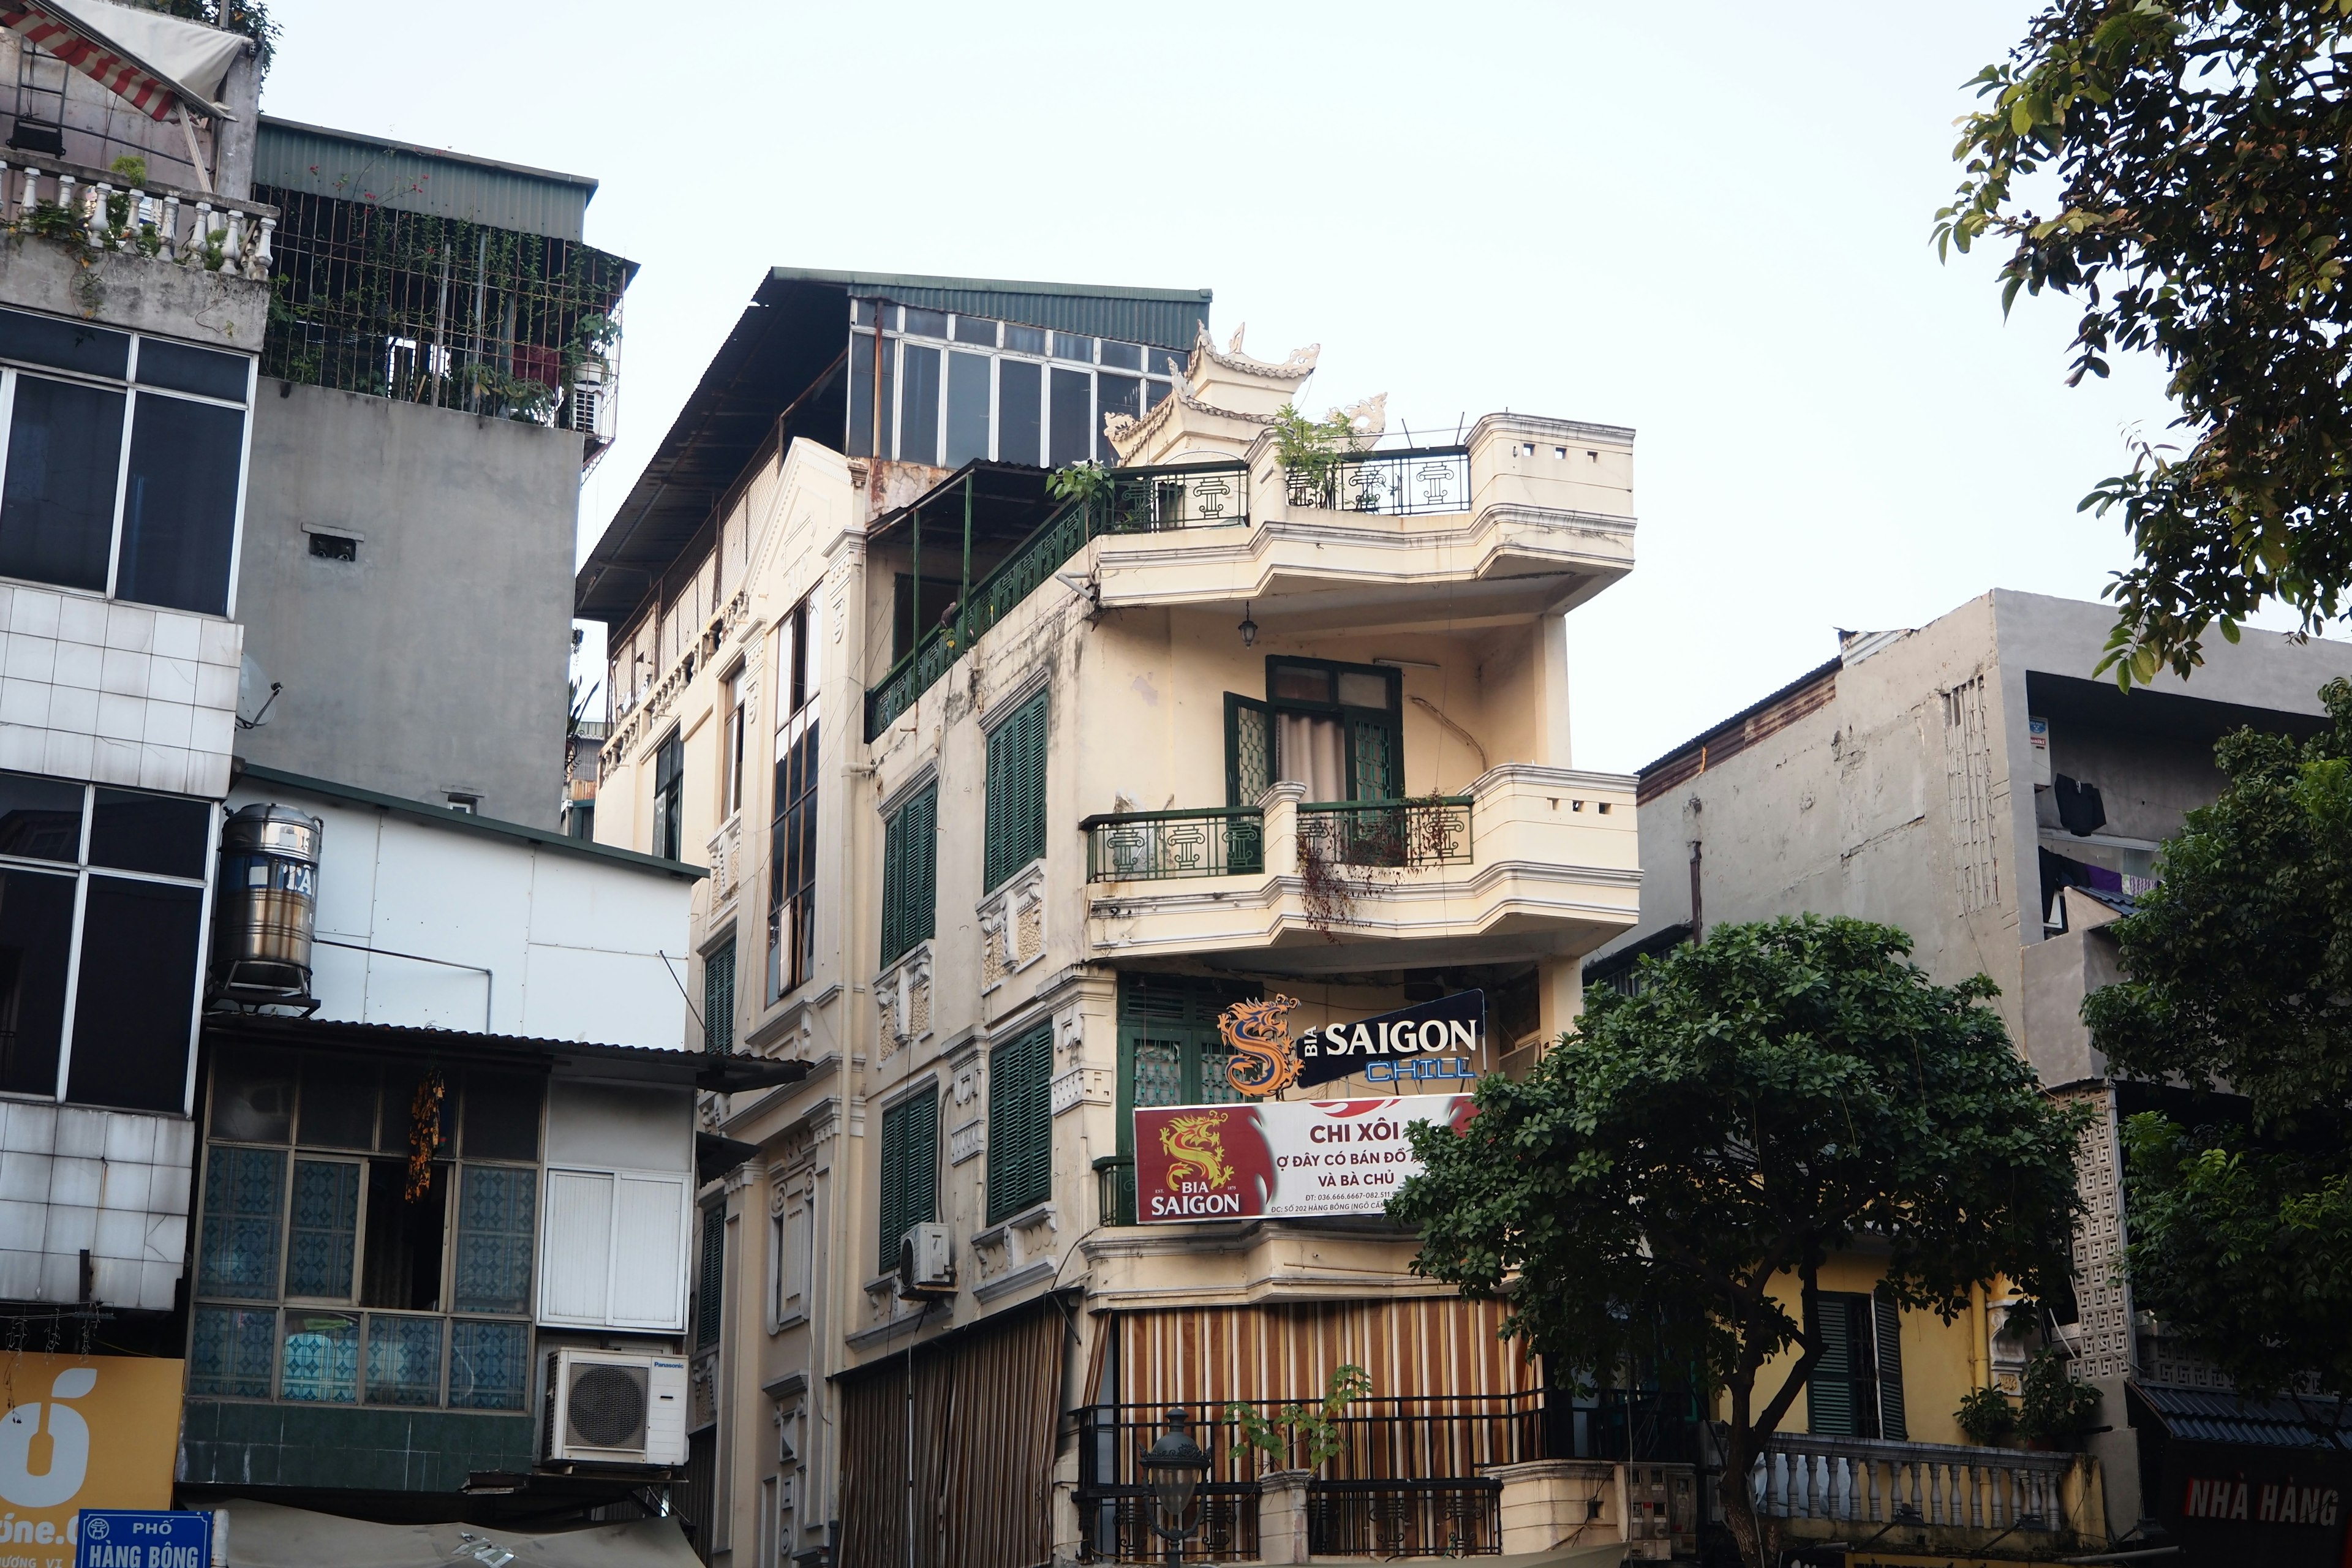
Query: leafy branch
{"points": [[1319, 1425]]}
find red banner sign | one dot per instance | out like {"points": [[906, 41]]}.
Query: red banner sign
{"points": [[1279, 1159]]}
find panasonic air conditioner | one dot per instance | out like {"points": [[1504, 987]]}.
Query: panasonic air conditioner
{"points": [[614, 1407], [926, 1263]]}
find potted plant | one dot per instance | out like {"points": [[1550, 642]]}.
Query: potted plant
{"points": [[2053, 1411], [1986, 1417]]}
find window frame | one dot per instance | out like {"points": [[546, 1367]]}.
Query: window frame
{"points": [[1391, 719], [132, 389], [715, 1041], [669, 796], [731, 760], [792, 840], [81, 871]]}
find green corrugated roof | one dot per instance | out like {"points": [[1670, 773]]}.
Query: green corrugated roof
{"points": [[1166, 318], [431, 180]]}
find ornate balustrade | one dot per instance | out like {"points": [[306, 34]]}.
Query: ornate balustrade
{"points": [[100, 209], [1864, 1481], [1433, 831], [1149, 846], [1407, 483]]}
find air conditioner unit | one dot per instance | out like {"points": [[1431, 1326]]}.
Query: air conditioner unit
{"points": [[926, 1263], [590, 410], [611, 1407]]}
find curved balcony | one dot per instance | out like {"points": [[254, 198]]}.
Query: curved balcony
{"points": [[1531, 862]]}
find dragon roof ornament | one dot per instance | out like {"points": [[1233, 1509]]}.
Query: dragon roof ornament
{"points": [[1297, 368]]}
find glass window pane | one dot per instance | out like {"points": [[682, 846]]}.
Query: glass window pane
{"points": [[927, 323], [159, 833], [1158, 1072], [1167, 362], [1070, 345], [494, 1236], [489, 1365], [40, 819], [68, 345], [244, 1193], [861, 393], [324, 1230], [501, 1117], [204, 371], [1216, 1076], [136, 1000], [338, 1102], [1122, 356], [1020, 412], [861, 312], [179, 505], [1299, 683], [403, 1359], [1116, 394], [1154, 394], [975, 330], [1024, 339], [1073, 392], [253, 1097], [967, 408], [919, 404], [322, 1361], [231, 1351], [57, 504], [35, 934], [1362, 688]]}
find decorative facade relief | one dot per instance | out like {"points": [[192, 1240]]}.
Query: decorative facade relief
{"points": [[967, 1142], [1013, 926], [903, 998], [726, 855]]}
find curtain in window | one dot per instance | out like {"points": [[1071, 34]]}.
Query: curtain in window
{"points": [[1309, 750]]}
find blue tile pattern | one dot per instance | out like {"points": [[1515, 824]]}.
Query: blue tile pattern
{"points": [[321, 1360], [230, 1352], [245, 1191], [403, 1359], [489, 1365], [495, 1211], [325, 1227]]}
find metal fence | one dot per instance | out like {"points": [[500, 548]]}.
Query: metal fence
{"points": [[1459, 1517], [1407, 483], [1434, 830], [1150, 846]]}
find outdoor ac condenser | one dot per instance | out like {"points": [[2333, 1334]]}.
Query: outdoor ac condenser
{"points": [[614, 1407], [926, 1262]]}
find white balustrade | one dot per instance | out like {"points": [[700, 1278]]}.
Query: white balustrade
{"points": [[1866, 1481]]}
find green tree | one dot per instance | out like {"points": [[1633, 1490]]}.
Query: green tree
{"points": [[2238, 974], [1776, 1095], [2189, 155]]}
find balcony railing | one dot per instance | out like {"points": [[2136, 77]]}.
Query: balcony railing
{"points": [[1140, 500], [1461, 1518], [96, 209], [1860, 1480], [1434, 830], [1407, 483], [1149, 846]]}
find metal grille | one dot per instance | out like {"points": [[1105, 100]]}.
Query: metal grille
{"points": [[1410, 833], [1404, 1517], [608, 1407], [1148, 846], [1404, 483]]}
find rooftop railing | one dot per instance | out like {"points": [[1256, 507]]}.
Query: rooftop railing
{"points": [[1139, 500], [1406, 482], [100, 209], [1866, 1481]]}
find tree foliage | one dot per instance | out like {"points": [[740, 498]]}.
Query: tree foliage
{"points": [[2238, 974], [2196, 152], [1775, 1095]]}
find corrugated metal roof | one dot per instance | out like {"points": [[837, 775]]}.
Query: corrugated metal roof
{"points": [[1166, 318], [652, 1064], [2216, 1415], [431, 180]]}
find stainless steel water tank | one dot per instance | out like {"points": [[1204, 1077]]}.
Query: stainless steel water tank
{"points": [[266, 907]]}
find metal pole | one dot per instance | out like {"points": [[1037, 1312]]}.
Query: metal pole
{"points": [[963, 594], [915, 631]]}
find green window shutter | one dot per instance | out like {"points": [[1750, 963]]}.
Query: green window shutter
{"points": [[894, 1178], [1016, 791], [1828, 1394], [710, 1284], [894, 851], [1892, 1424], [921, 871], [910, 1138], [1249, 749], [718, 1001], [1020, 1123]]}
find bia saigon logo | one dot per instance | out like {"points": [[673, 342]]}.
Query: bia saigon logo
{"points": [[69, 1445], [1263, 1060]]}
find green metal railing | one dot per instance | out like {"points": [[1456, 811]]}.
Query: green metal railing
{"points": [[1149, 846], [1115, 1189], [1432, 830], [1139, 500]]}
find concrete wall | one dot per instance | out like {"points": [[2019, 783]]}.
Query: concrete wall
{"points": [[435, 663]]}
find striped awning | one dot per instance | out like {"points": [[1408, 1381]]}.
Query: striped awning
{"points": [[149, 60]]}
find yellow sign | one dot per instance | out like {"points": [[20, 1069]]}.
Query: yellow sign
{"points": [[80, 1432]]}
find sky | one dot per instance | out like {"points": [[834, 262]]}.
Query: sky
{"points": [[1709, 221]]}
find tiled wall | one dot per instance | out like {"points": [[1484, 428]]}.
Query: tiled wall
{"points": [[223, 1443], [119, 693], [115, 1182]]}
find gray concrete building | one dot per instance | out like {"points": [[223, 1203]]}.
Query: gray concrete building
{"points": [[1972, 782]]}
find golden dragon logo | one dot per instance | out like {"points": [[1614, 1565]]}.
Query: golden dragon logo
{"points": [[1193, 1146], [1263, 1062]]}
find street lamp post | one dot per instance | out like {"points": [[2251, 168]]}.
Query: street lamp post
{"points": [[1174, 1464]]}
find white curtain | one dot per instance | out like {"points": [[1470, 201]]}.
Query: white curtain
{"points": [[1312, 751]]}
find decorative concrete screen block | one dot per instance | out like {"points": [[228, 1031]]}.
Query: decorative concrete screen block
{"points": [[117, 694]]}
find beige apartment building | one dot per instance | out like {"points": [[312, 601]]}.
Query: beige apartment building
{"points": [[1006, 796]]}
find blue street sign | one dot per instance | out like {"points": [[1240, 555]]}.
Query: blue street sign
{"points": [[143, 1537]]}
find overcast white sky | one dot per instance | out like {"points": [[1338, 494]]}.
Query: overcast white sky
{"points": [[1710, 222]]}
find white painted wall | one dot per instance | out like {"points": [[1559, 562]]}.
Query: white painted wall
{"points": [[502, 934]]}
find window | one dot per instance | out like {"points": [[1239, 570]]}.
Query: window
{"points": [[910, 1157], [1856, 1390], [791, 839], [117, 876], [669, 797], [324, 1276], [470, 805], [1335, 728], [1170, 1049], [910, 858], [710, 1279], [1020, 1124], [1016, 791], [121, 481], [731, 786], [791, 1234], [718, 998]]}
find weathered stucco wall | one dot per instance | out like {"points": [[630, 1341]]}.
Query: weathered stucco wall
{"points": [[434, 663]]}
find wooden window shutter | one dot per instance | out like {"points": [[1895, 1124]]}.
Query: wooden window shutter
{"points": [[894, 886], [1016, 791], [910, 1137], [920, 872], [710, 1283], [894, 1179], [1892, 1424], [1020, 1123]]}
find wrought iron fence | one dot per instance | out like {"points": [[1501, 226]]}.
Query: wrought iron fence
{"points": [[1115, 1526], [1115, 1190], [1403, 483], [1460, 1517], [1140, 500], [1149, 846], [1403, 1461], [1432, 830]]}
